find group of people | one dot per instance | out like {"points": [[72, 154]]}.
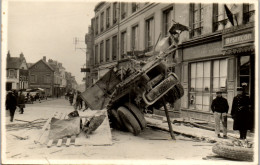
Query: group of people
{"points": [[79, 101], [14, 100], [241, 113]]}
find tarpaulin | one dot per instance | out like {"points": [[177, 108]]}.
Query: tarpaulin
{"points": [[62, 128]]}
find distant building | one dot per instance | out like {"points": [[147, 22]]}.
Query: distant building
{"points": [[41, 75], [16, 72]]}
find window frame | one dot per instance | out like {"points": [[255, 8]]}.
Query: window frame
{"points": [[149, 47], [123, 46], [134, 43], [101, 52], [102, 15], [165, 13], [96, 54], [114, 48], [115, 12], [108, 44], [108, 12], [194, 29]]}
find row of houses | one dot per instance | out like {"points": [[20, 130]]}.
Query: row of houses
{"points": [[49, 75], [216, 54]]}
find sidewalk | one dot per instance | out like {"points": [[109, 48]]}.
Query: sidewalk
{"points": [[197, 133]]}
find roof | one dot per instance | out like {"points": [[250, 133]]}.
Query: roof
{"points": [[41, 60], [13, 63], [98, 6], [29, 64]]}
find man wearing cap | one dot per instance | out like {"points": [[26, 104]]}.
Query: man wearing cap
{"points": [[220, 107], [240, 112]]}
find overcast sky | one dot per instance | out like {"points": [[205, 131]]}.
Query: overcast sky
{"points": [[47, 29]]}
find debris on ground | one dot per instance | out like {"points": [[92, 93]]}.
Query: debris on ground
{"points": [[91, 125], [63, 128], [20, 137], [35, 124]]}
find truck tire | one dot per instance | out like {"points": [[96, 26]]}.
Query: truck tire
{"points": [[233, 152], [116, 121], [129, 120], [137, 114]]}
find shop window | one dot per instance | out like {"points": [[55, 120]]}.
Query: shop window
{"points": [[149, 34], [123, 10], [123, 44], [114, 48], [96, 54], [244, 72], [196, 19], [219, 75], [115, 12], [96, 28], [101, 51], [167, 20], [107, 49], [102, 22], [108, 17], [135, 38], [248, 13], [205, 79]]}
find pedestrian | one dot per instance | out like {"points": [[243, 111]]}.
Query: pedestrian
{"points": [[21, 102], [11, 103], [37, 96], [78, 101], [220, 108], [71, 97], [240, 113]]}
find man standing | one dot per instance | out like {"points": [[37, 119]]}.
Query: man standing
{"points": [[220, 107], [240, 112], [21, 102], [11, 103]]}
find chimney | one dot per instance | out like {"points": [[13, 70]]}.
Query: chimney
{"points": [[8, 54], [44, 58], [21, 55]]}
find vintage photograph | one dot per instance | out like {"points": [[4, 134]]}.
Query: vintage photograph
{"points": [[119, 82]]}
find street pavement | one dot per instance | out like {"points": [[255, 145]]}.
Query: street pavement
{"points": [[150, 145]]}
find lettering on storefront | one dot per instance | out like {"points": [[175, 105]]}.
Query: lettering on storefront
{"points": [[238, 39], [205, 50]]}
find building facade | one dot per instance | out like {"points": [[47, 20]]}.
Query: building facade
{"points": [[41, 75], [16, 72], [214, 55]]}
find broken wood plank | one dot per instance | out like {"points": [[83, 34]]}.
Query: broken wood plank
{"points": [[49, 143], [68, 142], [59, 142], [45, 126]]}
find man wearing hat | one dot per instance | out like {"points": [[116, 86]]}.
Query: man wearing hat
{"points": [[240, 112], [220, 107]]}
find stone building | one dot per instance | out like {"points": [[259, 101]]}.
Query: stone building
{"points": [[214, 55]]}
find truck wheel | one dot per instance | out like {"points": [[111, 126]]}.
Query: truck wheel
{"points": [[116, 120], [234, 152], [137, 114], [129, 120]]}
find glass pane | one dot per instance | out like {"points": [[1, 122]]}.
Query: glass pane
{"points": [[192, 86], [198, 99], [244, 65], [193, 70], [216, 68], [223, 81], [215, 84], [206, 69], [251, 7], [206, 84], [199, 84], [223, 68], [199, 72], [205, 99], [205, 107]]}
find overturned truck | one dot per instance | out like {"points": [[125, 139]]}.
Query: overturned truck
{"points": [[127, 94]]}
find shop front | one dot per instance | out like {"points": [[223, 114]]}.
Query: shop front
{"points": [[221, 61]]}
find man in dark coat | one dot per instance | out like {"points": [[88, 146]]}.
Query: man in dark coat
{"points": [[11, 103], [241, 113], [21, 102], [220, 107]]}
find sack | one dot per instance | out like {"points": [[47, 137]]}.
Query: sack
{"points": [[63, 128]]}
